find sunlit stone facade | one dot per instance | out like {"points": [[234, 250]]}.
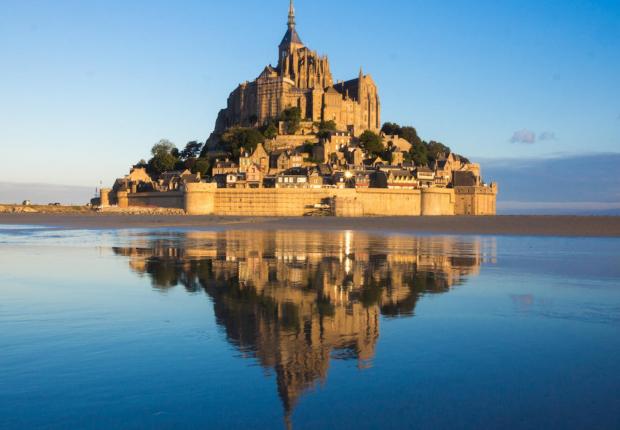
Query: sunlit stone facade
{"points": [[303, 79]]}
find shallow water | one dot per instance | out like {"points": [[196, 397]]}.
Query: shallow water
{"points": [[199, 329]]}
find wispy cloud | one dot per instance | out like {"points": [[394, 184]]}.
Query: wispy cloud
{"points": [[529, 136], [523, 136], [546, 135]]}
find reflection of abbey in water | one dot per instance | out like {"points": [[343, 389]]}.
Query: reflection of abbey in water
{"points": [[294, 299]]}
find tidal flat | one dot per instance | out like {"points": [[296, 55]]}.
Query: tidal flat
{"points": [[239, 325], [519, 225]]}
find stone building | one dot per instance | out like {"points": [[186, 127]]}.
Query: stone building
{"points": [[259, 157], [224, 167], [303, 79], [137, 179]]}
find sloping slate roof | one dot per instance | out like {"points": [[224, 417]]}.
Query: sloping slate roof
{"points": [[295, 171], [291, 36], [464, 179]]}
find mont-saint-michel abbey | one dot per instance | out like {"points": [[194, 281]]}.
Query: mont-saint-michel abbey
{"points": [[303, 79], [297, 142]]}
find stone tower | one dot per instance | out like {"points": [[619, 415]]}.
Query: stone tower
{"points": [[302, 79], [299, 64], [291, 41]]}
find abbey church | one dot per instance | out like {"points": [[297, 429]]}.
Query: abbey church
{"points": [[303, 79]]}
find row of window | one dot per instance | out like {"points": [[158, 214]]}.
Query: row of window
{"points": [[292, 179]]}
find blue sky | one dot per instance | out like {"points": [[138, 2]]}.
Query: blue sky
{"points": [[87, 87]]}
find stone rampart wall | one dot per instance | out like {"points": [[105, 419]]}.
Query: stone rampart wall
{"points": [[299, 202], [172, 199], [475, 201], [206, 199], [438, 202], [381, 202], [269, 201]]}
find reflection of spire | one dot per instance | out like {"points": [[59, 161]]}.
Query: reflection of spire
{"points": [[288, 422]]}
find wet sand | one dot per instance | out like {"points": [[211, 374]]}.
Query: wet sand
{"points": [[498, 225]]}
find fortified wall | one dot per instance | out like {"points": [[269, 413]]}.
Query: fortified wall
{"points": [[207, 199]]}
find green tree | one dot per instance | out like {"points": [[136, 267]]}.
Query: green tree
{"points": [[270, 131], [372, 143], [410, 134], [391, 128], [418, 154], [202, 166], [292, 119], [191, 150], [164, 157], [239, 137], [437, 150], [162, 162], [308, 146], [326, 128], [164, 145], [328, 125]]}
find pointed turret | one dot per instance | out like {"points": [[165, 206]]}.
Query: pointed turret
{"points": [[290, 44], [360, 85], [291, 36], [291, 16]]}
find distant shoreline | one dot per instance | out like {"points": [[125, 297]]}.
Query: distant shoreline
{"points": [[566, 226]]}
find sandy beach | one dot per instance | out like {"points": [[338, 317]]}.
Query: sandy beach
{"points": [[574, 226]]}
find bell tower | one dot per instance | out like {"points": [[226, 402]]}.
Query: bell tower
{"points": [[290, 43]]}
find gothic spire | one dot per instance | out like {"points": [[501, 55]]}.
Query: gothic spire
{"points": [[291, 16], [291, 35]]}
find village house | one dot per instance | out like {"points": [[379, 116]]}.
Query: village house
{"points": [[137, 180], [259, 157], [337, 140], [355, 155], [285, 160], [315, 179], [401, 180], [363, 178], [224, 167], [296, 177], [339, 179], [254, 176], [174, 180], [236, 180], [425, 176], [394, 179]]}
